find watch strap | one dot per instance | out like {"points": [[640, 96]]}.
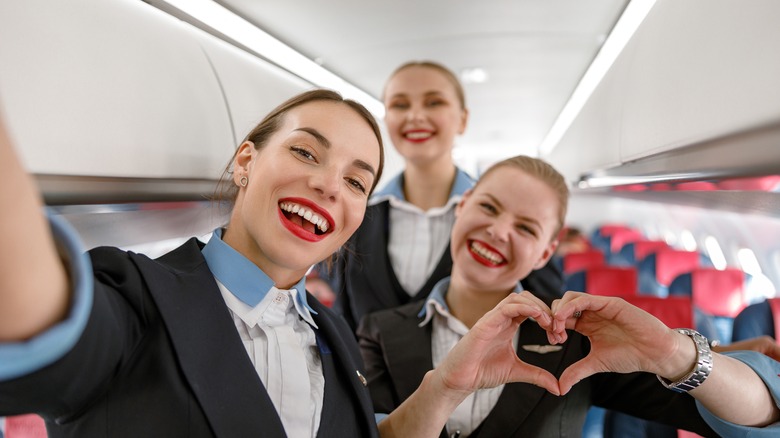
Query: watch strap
{"points": [[700, 371]]}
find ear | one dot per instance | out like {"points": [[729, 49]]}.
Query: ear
{"points": [[462, 201], [547, 254], [464, 119], [243, 161]]}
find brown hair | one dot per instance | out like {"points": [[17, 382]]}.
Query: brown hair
{"points": [[545, 173], [441, 69], [227, 191]]}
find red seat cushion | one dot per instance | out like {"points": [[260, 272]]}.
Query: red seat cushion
{"points": [[578, 261], [774, 305], [669, 263], [720, 293], [644, 247], [673, 311], [611, 281], [620, 238]]}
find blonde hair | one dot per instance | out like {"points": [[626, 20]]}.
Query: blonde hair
{"points": [[542, 171], [448, 74]]}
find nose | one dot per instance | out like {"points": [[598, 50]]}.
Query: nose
{"points": [[499, 230], [415, 113], [326, 182]]}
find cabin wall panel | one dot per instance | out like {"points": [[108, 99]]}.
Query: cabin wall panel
{"points": [[122, 89], [108, 89], [694, 71], [252, 87], [703, 69]]}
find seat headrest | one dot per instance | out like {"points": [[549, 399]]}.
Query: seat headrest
{"points": [[720, 293]]}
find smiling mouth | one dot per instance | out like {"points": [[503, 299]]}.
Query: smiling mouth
{"points": [[486, 255], [418, 135], [305, 218]]}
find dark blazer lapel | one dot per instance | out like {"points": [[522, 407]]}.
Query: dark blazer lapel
{"points": [[373, 233], [443, 269], [518, 400], [408, 350], [341, 352], [209, 349]]}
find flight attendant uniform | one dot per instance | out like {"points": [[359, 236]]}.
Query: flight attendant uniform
{"points": [[400, 252], [151, 348], [400, 345]]}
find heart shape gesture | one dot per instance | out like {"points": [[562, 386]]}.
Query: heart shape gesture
{"points": [[623, 339]]}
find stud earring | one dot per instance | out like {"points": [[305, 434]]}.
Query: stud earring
{"points": [[243, 181]]}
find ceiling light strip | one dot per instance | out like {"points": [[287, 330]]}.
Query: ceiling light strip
{"points": [[231, 25], [624, 29]]}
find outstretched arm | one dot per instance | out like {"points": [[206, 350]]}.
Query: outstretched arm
{"points": [[762, 344], [484, 358], [625, 339], [33, 282]]}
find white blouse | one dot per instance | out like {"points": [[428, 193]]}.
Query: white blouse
{"points": [[278, 336]]}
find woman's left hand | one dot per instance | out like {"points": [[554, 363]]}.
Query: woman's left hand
{"points": [[623, 338], [486, 358]]}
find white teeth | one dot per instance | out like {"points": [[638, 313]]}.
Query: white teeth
{"points": [[417, 135], [486, 253], [307, 214]]}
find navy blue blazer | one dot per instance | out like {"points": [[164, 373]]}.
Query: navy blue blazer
{"points": [[363, 279], [160, 356]]}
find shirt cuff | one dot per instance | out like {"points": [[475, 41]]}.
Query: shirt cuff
{"points": [[769, 371], [20, 358]]}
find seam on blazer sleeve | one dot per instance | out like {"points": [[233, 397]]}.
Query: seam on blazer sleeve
{"points": [[20, 358]]}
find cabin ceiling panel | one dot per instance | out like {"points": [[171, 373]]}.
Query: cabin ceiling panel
{"points": [[534, 52]]}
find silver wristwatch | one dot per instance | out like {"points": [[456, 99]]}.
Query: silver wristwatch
{"points": [[703, 366]]}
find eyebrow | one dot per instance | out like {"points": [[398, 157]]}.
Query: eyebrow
{"points": [[321, 139], [429, 93], [526, 218]]}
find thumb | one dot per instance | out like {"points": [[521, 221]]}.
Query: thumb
{"points": [[577, 371], [535, 376]]}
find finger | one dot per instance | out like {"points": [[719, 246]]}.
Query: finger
{"points": [[547, 318], [564, 310], [524, 306], [526, 373], [577, 371], [774, 352], [530, 296]]}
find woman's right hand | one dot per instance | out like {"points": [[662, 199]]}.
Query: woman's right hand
{"points": [[486, 357]]}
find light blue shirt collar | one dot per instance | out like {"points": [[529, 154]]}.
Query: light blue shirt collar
{"points": [[395, 187], [436, 299], [242, 277]]}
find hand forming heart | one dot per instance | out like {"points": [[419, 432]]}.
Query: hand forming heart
{"points": [[623, 339]]}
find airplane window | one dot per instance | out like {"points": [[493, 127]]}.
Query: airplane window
{"points": [[759, 286], [688, 241], [670, 237], [714, 252], [748, 262]]}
